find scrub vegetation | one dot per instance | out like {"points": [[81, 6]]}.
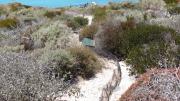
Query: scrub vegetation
{"points": [[42, 56]]}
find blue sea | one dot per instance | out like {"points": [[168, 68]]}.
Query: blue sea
{"points": [[59, 3]]}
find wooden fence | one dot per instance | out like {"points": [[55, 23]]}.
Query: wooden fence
{"points": [[112, 84]]}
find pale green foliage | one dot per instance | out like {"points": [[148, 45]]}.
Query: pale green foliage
{"points": [[153, 4], [52, 33]]}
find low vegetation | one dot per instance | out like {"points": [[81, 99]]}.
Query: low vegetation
{"points": [[87, 63], [144, 46], [171, 1], [152, 4], [15, 6], [74, 62], [99, 13], [89, 32], [52, 14], [77, 22], [26, 80], [174, 10], [41, 54], [8, 23]]}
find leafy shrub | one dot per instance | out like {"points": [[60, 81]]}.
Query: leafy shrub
{"points": [[52, 14], [61, 63], [72, 24], [2, 37], [87, 63], [8, 23], [81, 21], [77, 22], [147, 46], [142, 58], [144, 46], [152, 4], [112, 33], [70, 64], [1, 11], [174, 10], [88, 32], [99, 13], [171, 1]]}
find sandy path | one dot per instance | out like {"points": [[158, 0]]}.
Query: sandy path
{"points": [[126, 82], [90, 18], [90, 90]]}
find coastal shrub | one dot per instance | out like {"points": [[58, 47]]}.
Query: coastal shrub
{"points": [[99, 13], [81, 21], [52, 14], [146, 46], [72, 24], [1, 11], [152, 4], [143, 58], [171, 1], [77, 22], [2, 37], [143, 46], [15, 6], [70, 64], [61, 63], [24, 79], [86, 64], [112, 34], [88, 31], [174, 10], [8, 23]]}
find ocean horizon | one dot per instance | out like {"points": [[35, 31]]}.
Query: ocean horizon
{"points": [[60, 3]]}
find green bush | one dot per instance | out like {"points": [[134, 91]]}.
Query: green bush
{"points": [[8, 23], [99, 13], [142, 58], [142, 34], [171, 1], [52, 14], [1, 11], [2, 37], [61, 63], [72, 24], [77, 22], [72, 63], [81, 21], [112, 35], [87, 63], [88, 32], [146, 46], [143, 46], [174, 10]]}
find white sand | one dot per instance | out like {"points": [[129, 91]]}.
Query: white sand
{"points": [[126, 82], [90, 18], [91, 89]]}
